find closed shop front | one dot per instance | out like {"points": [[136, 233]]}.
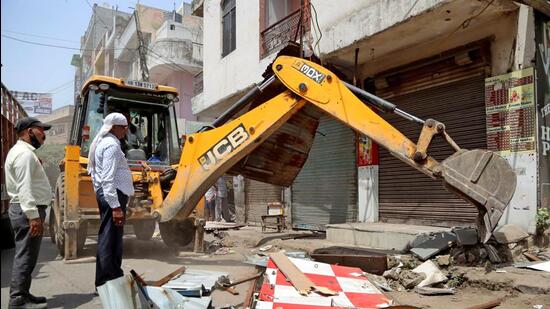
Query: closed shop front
{"points": [[257, 195], [325, 190], [449, 89]]}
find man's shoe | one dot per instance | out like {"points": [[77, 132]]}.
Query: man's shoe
{"points": [[25, 303], [36, 299]]}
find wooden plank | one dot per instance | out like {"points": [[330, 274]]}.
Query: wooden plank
{"points": [[162, 281], [531, 257], [297, 278]]}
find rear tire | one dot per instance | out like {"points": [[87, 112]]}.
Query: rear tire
{"points": [[176, 234], [144, 229]]}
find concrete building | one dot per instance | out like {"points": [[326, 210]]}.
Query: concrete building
{"points": [[456, 61], [172, 49], [105, 22], [61, 121]]}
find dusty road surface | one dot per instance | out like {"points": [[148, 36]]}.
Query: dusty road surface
{"points": [[71, 285]]}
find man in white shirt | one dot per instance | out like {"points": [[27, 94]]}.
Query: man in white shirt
{"points": [[112, 180], [210, 201], [30, 193]]}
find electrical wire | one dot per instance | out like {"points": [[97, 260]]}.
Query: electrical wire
{"points": [[62, 86], [163, 61], [319, 28], [410, 10], [38, 36], [168, 60], [57, 46]]}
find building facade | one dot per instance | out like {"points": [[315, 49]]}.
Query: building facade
{"points": [[171, 50], [471, 65]]}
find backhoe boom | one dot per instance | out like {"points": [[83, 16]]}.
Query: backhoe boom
{"points": [[479, 176]]}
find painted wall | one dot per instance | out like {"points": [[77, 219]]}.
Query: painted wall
{"points": [[241, 68], [344, 22], [182, 81]]}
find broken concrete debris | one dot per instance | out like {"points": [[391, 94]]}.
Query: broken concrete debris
{"points": [[432, 274], [509, 233], [392, 274], [424, 290], [466, 236], [426, 246], [410, 279], [443, 260]]}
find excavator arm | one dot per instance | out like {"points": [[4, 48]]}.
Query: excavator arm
{"points": [[479, 176]]}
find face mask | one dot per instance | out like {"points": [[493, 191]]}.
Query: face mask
{"points": [[34, 141]]}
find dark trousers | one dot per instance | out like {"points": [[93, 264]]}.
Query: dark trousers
{"points": [[109, 241], [26, 250]]}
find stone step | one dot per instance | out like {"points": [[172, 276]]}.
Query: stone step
{"points": [[378, 235]]}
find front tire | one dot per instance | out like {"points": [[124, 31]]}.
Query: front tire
{"points": [[144, 229]]}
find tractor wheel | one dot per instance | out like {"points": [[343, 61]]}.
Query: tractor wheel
{"points": [[144, 229], [177, 234], [56, 229]]}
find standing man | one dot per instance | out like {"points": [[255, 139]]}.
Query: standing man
{"points": [[210, 197], [222, 208], [30, 193], [113, 185]]}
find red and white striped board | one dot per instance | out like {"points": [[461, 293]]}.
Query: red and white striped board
{"points": [[354, 290]]}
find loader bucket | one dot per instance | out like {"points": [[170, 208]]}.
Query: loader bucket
{"points": [[485, 179]]}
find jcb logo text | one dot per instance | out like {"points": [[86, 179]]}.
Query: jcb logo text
{"points": [[224, 147]]}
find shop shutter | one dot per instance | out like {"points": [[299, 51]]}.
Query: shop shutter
{"points": [[325, 190], [406, 195], [257, 195]]}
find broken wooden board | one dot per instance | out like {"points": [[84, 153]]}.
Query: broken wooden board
{"points": [[296, 277]]}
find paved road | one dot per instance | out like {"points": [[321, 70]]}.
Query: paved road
{"points": [[72, 285]]}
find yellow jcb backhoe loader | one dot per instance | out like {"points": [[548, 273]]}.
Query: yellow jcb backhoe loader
{"points": [[152, 148], [266, 136], [264, 144]]}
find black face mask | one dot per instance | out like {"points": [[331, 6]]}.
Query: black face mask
{"points": [[34, 141]]}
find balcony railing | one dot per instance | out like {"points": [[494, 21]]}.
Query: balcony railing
{"points": [[280, 33]]}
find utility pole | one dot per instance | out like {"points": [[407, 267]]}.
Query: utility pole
{"points": [[142, 49]]}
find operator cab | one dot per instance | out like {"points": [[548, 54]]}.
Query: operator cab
{"points": [[152, 127]]}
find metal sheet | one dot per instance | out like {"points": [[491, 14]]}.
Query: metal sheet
{"points": [[325, 191], [407, 195], [279, 159]]}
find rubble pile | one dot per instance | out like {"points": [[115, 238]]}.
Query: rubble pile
{"points": [[438, 263]]}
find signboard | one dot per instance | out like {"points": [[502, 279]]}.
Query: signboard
{"points": [[510, 112], [367, 151], [34, 102]]}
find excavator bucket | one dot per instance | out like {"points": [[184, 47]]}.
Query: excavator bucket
{"points": [[485, 179]]}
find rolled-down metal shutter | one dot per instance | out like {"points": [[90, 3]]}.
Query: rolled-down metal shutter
{"points": [[406, 195], [325, 190], [257, 195]]}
